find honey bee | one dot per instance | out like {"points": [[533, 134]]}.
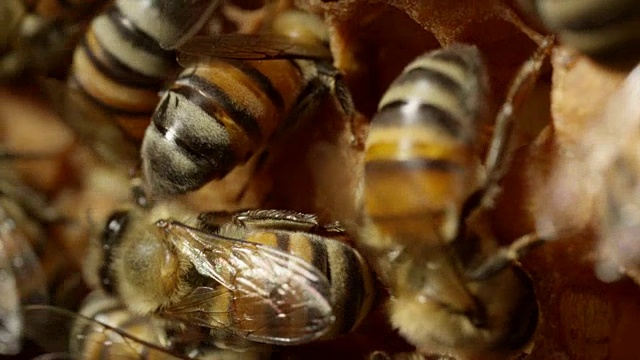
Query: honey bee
{"points": [[235, 95], [597, 28], [22, 278], [125, 56], [39, 35], [266, 276], [453, 291], [103, 328]]}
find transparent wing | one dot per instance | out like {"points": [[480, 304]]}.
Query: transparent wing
{"points": [[248, 47], [94, 339], [275, 297], [187, 17], [93, 125]]}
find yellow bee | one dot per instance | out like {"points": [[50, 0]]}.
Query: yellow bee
{"points": [[266, 276], [425, 195]]}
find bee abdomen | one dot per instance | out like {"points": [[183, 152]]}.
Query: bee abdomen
{"points": [[352, 285], [121, 68], [216, 116], [439, 92], [178, 156], [92, 341], [424, 134], [352, 289]]}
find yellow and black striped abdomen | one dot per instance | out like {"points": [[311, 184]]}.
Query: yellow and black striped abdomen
{"points": [[122, 68], [420, 150], [91, 340], [352, 290], [215, 116]]}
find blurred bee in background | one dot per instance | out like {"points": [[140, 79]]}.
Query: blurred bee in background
{"points": [[237, 93], [125, 57], [23, 280], [619, 250], [453, 291], [104, 328], [39, 35], [607, 154], [265, 276], [599, 28]]}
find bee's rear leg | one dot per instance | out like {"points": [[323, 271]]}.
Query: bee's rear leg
{"points": [[500, 151]]}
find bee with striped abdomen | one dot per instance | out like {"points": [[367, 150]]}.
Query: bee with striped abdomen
{"points": [[600, 28], [94, 341], [103, 328], [424, 136], [22, 278], [236, 93], [269, 276], [425, 200], [125, 57]]}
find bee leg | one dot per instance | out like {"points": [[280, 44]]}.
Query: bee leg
{"points": [[286, 220], [307, 102], [334, 80], [501, 150], [505, 256], [212, 220], [275, 219]]}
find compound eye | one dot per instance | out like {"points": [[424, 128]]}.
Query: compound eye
{"points": [[116, 224], [111, 237]]}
